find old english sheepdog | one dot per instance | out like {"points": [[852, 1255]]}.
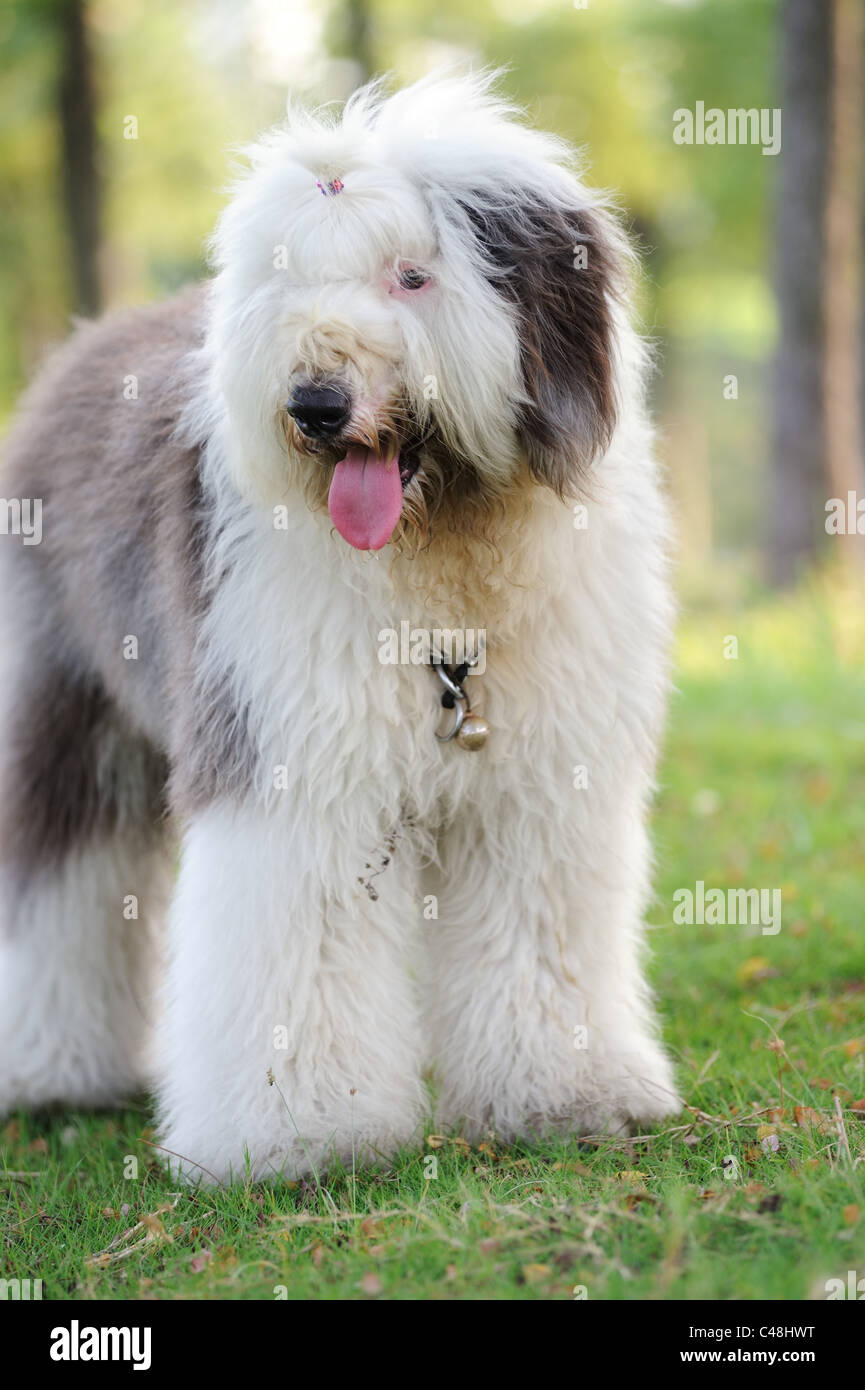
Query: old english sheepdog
{"points": [[410, 399]]}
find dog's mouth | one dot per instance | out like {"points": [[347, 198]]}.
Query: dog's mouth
{"points": [[365, 500], [409, 462], [374, 463]]}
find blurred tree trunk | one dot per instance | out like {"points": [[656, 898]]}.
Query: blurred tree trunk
{"points": [[844, 211], [358, 38], [82, 194], [799, 435]]}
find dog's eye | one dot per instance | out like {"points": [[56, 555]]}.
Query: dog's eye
{"points": [[411, 277]]}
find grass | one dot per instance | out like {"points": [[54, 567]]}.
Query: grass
{"points": [[762, 785]]}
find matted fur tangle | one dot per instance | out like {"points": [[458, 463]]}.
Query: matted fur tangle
{"points": [[410, 399]]}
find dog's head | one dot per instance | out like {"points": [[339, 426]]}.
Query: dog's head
{"points": [[414, 313]]}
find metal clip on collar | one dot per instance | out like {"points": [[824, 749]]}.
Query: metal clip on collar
{"points": [[469, 730]]}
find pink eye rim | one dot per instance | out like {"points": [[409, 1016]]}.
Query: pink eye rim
{"points": [[412, 277]]}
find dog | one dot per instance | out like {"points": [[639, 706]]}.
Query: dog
{"points": [[409, 399]]}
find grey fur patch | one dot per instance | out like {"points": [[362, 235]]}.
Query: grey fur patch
{"points": [[565, 329], [75, 774], [124, 535]]}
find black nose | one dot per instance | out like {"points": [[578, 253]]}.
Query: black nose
{"points": [[320, 411]]}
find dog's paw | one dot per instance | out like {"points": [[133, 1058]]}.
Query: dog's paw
{"points": [[220, 1159], [77, 1087], [588, 1116], [624, 1115], [635, 1092], [619, 1097]]}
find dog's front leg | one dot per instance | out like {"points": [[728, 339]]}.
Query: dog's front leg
{"points": [[289, 1031], [538, 1013]]}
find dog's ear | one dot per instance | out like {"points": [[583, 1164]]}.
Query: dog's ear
{"points": [[561, 269]]}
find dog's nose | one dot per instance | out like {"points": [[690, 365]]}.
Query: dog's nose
{"points": [[320, 411]]}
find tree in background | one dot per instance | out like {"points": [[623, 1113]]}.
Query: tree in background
{"points": [[82, 192], [817, 435], [798, 441], [351, 38], [844, 211]]}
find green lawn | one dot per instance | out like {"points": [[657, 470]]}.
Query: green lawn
{"points": [[755, 1191]]}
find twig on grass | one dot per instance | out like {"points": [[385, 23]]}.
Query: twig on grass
{"points": [[707, 1065], [843, 1141], [700, 1117], [153, 1230]]}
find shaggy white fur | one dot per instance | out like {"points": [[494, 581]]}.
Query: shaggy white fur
{"points": [[77, 977]]}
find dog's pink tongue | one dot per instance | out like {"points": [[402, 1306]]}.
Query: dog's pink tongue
{"points": [[365, 498]]}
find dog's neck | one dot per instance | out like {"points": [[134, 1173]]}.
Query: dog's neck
{"points": [[486, 582]]}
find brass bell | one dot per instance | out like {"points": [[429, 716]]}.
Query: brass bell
{"points": [[473, 732]]}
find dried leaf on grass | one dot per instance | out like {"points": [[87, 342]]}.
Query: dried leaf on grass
{"points": [[812, 1119], [370, 1284], [150, 1230]]}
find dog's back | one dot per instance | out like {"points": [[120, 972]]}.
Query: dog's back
{"points": [[95, 446]]}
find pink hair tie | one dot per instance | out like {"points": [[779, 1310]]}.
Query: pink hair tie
{"points": [[330, 190]]}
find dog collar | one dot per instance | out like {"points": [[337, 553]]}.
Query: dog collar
{"points": [[470, 730]]}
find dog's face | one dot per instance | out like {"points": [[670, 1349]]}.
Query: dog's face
{"points": [[414, 314]]}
